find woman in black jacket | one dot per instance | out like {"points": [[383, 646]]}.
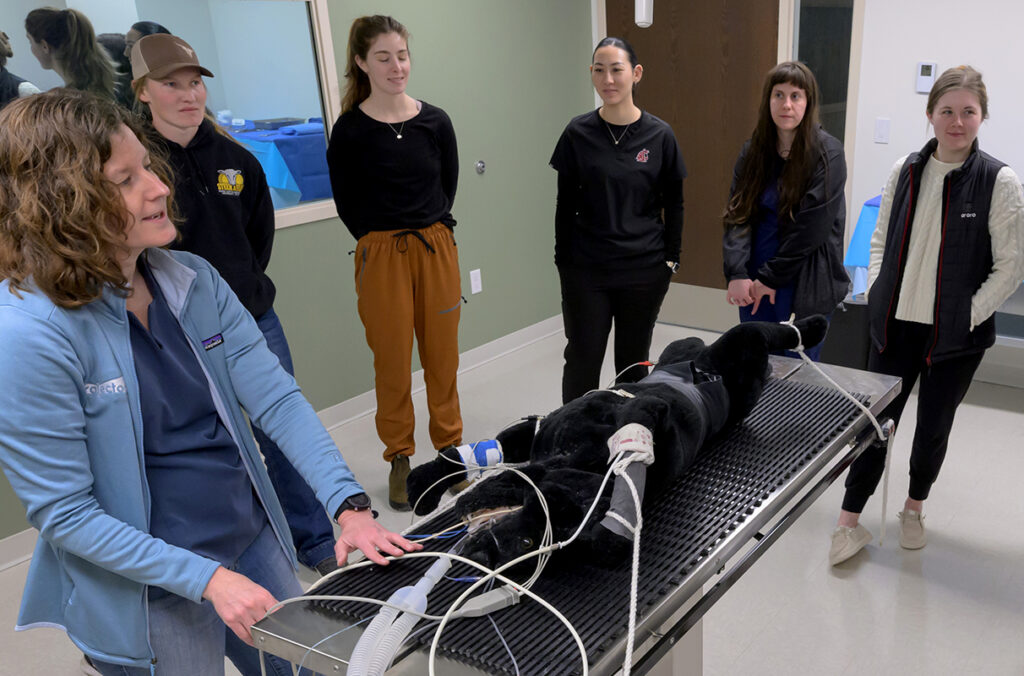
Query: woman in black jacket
{"points": [[786, 216]]}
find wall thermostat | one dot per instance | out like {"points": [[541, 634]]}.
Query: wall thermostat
{"points": [[926, 76]]}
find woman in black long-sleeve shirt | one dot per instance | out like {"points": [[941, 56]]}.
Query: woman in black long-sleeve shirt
{"points": [[618, 223], [394, 169]]}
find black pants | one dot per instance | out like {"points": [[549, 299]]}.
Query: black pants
{"points": [[590, 302], [943, 386]]}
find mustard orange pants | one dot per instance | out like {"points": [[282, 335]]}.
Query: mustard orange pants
{"points": [[408, 284]]}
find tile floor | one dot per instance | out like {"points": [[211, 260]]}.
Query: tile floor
{"points": [[955, 607]]}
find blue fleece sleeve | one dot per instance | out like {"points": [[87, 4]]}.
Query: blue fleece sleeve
{"points": [[50, 461], [275, 403]]}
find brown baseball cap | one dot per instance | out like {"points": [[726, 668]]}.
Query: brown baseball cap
{"points": [[160, 55]]}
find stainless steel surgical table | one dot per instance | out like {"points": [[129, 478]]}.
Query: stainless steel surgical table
{"points": [[746, 489]]}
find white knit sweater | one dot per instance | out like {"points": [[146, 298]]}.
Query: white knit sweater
{"points": [[1006, 230]]}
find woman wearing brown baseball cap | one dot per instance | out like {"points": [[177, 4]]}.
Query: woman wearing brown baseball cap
{"points": [[227, 217]]}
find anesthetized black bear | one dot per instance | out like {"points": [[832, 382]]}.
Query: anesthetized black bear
{"points": [[694, 392]]}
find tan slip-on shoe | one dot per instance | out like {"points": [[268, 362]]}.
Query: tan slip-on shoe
{"points": [[912, 534], [846, 542]]}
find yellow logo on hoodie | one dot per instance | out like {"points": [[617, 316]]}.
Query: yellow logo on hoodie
{"points": [[230, 182]]}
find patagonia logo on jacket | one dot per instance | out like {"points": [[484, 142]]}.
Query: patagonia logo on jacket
{"points": [[213, 341], [230, 182], [114, 386]]}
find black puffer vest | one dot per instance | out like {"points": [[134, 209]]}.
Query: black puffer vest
{"points": [[965, 254]]}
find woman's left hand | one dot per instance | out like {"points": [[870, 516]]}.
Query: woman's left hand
{"points": [[359, 530], [758, 291]]}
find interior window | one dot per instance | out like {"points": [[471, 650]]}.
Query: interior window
{"points": [[266, 91], [823, 43]]}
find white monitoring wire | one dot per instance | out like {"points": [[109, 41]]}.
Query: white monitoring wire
{"points": [[490, 574], [543, 553], [538, 552], [310, 649], [885, 434]]}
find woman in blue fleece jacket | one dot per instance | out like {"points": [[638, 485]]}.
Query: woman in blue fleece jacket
{"points": [[135, 365]]}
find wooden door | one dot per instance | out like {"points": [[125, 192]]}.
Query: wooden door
{"points": [[704, 61]]}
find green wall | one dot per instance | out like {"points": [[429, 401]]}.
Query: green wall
{"points": [[510, 75]]}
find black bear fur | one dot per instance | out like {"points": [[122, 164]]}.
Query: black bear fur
{"points": [[568, 451]]}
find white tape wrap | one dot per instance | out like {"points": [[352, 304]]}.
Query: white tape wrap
{"points": [[632, 437]]}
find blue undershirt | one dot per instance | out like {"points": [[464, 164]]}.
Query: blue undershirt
{"points": [[201, 494], [763, 249]]}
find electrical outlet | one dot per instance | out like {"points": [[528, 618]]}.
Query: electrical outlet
{"points": [[476, 284]]}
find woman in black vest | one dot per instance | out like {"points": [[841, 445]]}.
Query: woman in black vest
{"points": [[786, 215], [947, 251], [618, 223]]}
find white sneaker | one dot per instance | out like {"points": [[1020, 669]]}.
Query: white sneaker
{"points": [[846, 542], [912, 535]]}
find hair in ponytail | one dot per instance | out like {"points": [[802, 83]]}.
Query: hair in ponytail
{"points": [[364, 31], [83, 62]]}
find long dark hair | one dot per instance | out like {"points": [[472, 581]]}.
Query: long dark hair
{"points": [[69, 34], [364, 31], [803, 154]]}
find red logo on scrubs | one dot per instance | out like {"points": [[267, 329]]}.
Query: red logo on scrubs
{"points": [[643, 155]]}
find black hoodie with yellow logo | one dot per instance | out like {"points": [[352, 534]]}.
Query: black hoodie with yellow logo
{"points": [[225, 213]]}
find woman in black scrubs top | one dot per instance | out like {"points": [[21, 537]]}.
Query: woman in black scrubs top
{"points": [[618, 223]]}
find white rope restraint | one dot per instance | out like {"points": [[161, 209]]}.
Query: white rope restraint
{"points": [[621, 519], [631, 443], [885, 434]]}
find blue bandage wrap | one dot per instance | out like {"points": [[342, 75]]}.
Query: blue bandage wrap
{"points": [[486, 453]]}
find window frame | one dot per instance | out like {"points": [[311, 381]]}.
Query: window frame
{"points": [[330, 100]]}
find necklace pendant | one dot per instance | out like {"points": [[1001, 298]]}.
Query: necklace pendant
{"points": [[398, 136]]}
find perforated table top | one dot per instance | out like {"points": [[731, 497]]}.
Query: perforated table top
{"points": [[725, 497]]}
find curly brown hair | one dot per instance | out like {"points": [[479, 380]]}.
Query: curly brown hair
{"points": [[62, 222]]}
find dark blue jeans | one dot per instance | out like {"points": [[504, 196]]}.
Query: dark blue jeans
{"points": [[189, 638], [310, 526]]}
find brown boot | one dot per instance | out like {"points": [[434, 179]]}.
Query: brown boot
{"points": [[398, 498]]}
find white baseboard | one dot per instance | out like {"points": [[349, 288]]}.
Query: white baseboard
{"points": [[366, 403], [1003, 363], [17, 548]]}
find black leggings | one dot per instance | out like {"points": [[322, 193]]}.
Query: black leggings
{"points": [[943, 386], [589, 305]]}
